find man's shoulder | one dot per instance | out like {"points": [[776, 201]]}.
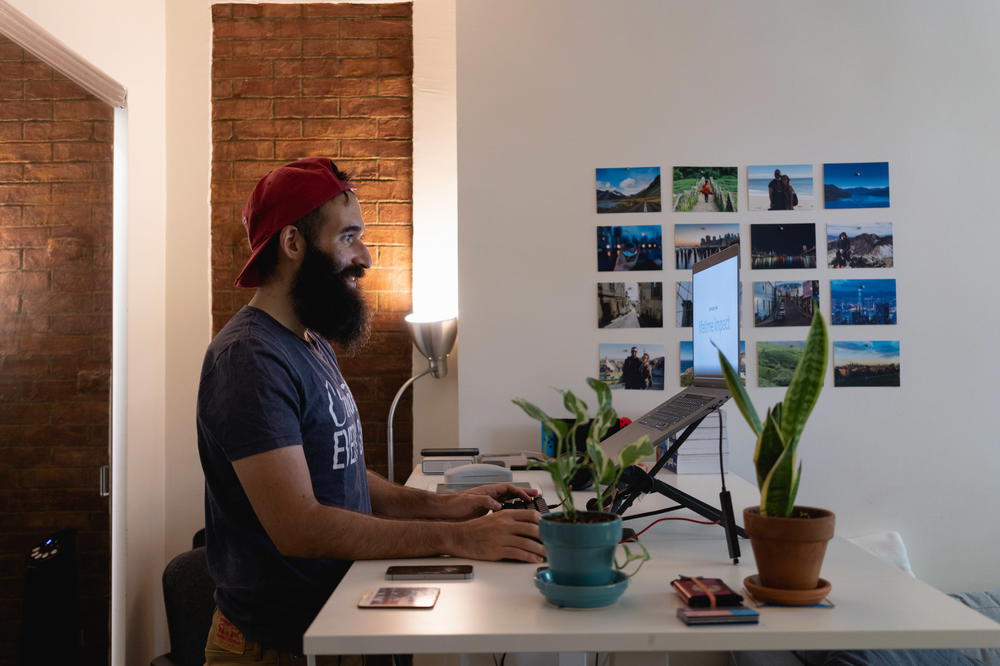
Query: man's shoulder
{"points": [[251, 333]]}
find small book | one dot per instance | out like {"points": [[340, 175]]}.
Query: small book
{"points": [[698, 592], [718, 615], [400, 597]]}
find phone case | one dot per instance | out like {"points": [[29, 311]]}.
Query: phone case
{"points": [[698, 592]]}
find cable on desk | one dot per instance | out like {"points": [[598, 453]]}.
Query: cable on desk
{"points": [[690, 520]]}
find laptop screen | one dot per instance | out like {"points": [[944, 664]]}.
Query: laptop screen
{"points": [[715, 288]]}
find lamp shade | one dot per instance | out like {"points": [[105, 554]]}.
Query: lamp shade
{"points": [[435, 340]]}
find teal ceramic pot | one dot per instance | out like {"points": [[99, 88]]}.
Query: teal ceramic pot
{"points": [[581, 553]]}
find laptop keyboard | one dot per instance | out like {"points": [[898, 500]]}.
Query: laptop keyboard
{"points": [[676, 410]]}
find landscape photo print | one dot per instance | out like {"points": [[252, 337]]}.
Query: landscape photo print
{"points": [[865, 245], [629, 304], [635, 366], [866, 363], [780, 187], [628, 190], [782, 246], [856, 185], [694, 242], [705, 189], [634, 248]]}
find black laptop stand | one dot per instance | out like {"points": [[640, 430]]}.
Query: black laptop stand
{"points": [[635, 482]]}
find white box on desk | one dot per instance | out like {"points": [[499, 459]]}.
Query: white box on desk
{"points": [[437, 465]]}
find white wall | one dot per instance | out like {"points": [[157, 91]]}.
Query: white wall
{"points": [[549, 91], [126, 39]]}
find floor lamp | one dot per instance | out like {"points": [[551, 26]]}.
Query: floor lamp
{"points": [[435, 340]]}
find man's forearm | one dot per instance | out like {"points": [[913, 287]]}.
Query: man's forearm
{"points": [[395, 501]]}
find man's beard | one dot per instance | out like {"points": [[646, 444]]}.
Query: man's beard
{"points": [[326, 304]]}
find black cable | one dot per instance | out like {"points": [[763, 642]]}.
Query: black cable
{"points": [[653, 513]]}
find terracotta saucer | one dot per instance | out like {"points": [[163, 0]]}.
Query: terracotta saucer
{"points": [[773, 595]]}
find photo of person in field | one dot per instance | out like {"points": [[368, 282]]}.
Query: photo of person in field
{"points": [[704, 190]]}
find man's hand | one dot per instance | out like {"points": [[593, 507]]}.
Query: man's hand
{"points": [[477, 501], [507, 534]]}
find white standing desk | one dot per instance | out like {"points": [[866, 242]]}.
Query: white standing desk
{"points": [[500, 610]]}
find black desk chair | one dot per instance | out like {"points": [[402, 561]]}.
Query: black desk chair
{"points": [[188, 596]]}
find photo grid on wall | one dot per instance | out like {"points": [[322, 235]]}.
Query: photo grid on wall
{"points": [[849, 256]]}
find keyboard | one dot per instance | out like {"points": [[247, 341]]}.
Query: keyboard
{"points": [[537, 503], [674, 411]]}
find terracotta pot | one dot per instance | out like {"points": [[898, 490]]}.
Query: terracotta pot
{"points": [[789, 551]]}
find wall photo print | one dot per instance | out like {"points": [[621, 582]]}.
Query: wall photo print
{"points": [[866, 363], [694, 242], [866, 245], [684, 310], [780, 187], [635, 366], [629, 190], [776, 361], [784, 303], [705, 189], [862, 302], [686, 356], [629, 304], [782, 246], [856, 185], [636, 248]]}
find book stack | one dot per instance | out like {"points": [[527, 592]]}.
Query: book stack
{"points": [[699, 454]]}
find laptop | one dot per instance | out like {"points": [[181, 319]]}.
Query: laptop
{"points": [[716, 299]]}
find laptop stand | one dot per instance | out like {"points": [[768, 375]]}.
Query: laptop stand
{"points": [[635, 482]]}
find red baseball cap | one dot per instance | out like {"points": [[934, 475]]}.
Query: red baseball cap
{"points": [[281, 198]]}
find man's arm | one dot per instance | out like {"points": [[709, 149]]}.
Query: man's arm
{"points": [[279, 487], [395, 501]]}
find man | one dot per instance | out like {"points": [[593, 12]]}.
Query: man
{"points": [[632, 371], [776, 192], [289, 502]]}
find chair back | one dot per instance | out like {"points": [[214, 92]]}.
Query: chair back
{"points": [[188, 594]]}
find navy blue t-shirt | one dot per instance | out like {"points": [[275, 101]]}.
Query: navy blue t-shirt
{"points": [[262, 388]]}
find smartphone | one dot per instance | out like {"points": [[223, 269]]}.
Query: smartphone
{"points": [[429, 572]]}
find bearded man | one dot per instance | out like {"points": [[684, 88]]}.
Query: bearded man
{"points": [[289, 503]]}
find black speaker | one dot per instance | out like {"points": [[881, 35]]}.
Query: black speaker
{"points": [[50, 629]]}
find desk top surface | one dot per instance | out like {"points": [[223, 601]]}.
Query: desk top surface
{"points": [[499, 610]]}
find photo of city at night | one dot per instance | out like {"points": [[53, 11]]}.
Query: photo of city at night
{"points": [[782, 246], [634, 248], [686, 356], [776, 361], [694, 242], [862, 302], [629, 304], [784, 303], [637, 366], [866, 363]]}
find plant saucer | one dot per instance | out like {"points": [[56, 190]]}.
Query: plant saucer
{"points": [[581, 596], [773, 595]]}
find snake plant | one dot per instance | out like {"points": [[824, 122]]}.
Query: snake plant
{"points": [[778, 434]]}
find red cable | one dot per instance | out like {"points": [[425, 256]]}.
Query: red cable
{"points": [[690, 520]]}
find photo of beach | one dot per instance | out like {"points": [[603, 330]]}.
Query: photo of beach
{"points": [[856, 185], [694, 242], [705, 189], [780, 187], [866, 363], [782, 246], [637, 248], [628, 190], [776, 361], [629, 304], [686, 356], [866, 245], [784, 303], [636, 366], [862, 302]]}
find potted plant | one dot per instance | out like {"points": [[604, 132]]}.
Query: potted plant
{"points": [[581, 545], [788, 541]]}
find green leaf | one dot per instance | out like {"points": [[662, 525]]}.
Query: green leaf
{"points": [[642, 557], [776, 493], [769, 447], [603, 393], [807, 382], [636, 451], [575, 406], [740, 396]]}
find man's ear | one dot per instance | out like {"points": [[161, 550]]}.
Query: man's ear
{"points": [[291, 243]]}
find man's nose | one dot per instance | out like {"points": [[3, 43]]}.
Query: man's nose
{"points": [[363, 257]]}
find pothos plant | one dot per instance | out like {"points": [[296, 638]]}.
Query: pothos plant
{"points": [[778, 434], [605, 470]]}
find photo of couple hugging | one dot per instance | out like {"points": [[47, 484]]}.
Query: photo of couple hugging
{"points": [[780, 192]]}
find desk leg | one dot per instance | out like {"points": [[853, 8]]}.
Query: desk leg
{"points": [[310, 660]]}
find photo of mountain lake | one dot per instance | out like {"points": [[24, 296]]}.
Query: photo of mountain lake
{"points": [[856, 185], [628, 190]]}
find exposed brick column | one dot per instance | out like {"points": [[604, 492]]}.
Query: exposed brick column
{"points": [[55, 332], [293, 81]]}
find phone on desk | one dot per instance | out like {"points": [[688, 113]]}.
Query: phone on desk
{"points": [[430, 572]]}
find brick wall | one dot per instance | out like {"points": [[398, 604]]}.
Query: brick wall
{"points": [[55, 332], [302, 80]]}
